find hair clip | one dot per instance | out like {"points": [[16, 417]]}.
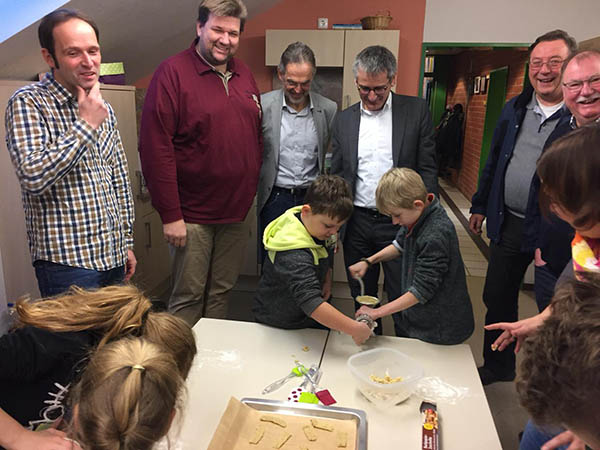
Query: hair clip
{"points": [[138, 367]]}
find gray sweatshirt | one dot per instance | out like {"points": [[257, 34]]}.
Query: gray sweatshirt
{"points": [[433, 271]]}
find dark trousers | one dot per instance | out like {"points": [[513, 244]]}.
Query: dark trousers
{"points": [[545, 281], [54, 279], [506, 268], [367, 232], [278, 202]]}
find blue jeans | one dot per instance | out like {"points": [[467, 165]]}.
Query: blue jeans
{"points": [[54, 279], [534, 437]]}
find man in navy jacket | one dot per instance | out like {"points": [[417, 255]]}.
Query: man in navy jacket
{"points": [[504, 191]]}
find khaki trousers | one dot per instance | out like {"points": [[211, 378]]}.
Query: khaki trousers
{"points": [[206, 269]]}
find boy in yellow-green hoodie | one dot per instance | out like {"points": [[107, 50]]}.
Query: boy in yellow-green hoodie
{"points": [[296, 277]]}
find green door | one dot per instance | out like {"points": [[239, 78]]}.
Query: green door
{"points": [[438, 100], [495, 101]]}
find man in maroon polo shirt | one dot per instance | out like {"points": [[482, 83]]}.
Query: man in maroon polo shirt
{"points": [[200, 148]]}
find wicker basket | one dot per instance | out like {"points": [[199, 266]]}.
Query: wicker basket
{"points": [[378, 22]]}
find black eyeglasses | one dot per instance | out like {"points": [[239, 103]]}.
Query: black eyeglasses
{"points": [[552, 63], [365, 90], [577, 85]]}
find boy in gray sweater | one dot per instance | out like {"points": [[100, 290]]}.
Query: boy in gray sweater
{"points": [[434, 304], [296, 277]]}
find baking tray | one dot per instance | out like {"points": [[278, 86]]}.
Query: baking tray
{"points": [[305, 409]]}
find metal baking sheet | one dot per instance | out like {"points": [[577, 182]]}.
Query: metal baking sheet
{"points": [[305, 409]]}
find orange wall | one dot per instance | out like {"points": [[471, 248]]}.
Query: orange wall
{"points": [[408, 17]]}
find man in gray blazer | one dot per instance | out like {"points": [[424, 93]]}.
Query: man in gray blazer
{"points": [[382, 131], [295, 125]]}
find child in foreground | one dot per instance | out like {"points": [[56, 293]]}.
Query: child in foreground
{"points": [[296, 277], [434, 304], [569, 172], [50, 347], [127, 396], [559, 377]]}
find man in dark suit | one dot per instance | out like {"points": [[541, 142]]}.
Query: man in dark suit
{"points": [[295, 125], [382, 131]]}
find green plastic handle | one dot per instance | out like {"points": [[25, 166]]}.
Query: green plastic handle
{"points": [[299, 370]]}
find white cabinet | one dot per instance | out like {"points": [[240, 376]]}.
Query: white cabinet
{"points": [[327, 45]]}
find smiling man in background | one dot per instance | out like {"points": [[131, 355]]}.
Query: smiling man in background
{"points": [[505, 197], [552, 236], [63, 141], [200, 148], [295, 124]]}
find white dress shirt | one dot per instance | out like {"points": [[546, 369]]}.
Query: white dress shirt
{"points": [[374, 152]]}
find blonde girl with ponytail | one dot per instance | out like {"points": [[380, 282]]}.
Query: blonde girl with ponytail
{"points": [[51, 344], [127, 397]]}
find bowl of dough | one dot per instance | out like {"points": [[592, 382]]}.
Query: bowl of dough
{"points": [[385, 376]]}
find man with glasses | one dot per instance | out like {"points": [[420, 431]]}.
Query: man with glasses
{"points": [[552, 236], [382, 131], [505, 196], [295, 124]]}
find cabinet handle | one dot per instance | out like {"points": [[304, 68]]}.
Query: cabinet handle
{"points": [[148, 234], [143, 193]]}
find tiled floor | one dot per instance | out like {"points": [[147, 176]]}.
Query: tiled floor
{"points": [[509, 417]]}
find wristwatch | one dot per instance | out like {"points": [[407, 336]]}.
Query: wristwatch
{"points": [[367, 261]]}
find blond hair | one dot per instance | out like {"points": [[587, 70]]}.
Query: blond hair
{"points": [[113, 311], [399, 188], [126, 396], [175, 335]]}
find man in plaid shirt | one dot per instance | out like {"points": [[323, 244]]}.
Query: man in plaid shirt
{"points": [[69, 159]]}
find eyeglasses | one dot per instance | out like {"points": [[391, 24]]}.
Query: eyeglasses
{"points": [[577, 85], [552, 63], [365, 90]]}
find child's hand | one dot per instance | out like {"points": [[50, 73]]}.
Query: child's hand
{"points": [[358, 269], [362, 333], [371, 312]]}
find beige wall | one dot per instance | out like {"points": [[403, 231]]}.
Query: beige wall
{"points": [[508, 20]]}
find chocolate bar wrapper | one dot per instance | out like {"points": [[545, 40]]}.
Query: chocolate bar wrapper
{"points": [[431, 432]]}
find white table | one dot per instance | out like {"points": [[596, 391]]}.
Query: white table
{"points": [[239, 359], [466, 425]]}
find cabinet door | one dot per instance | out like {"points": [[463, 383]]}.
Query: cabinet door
{"points": [[152, 252], [19, 276], [356, 40], [326, 44], [250, 266], [122, 100]]}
